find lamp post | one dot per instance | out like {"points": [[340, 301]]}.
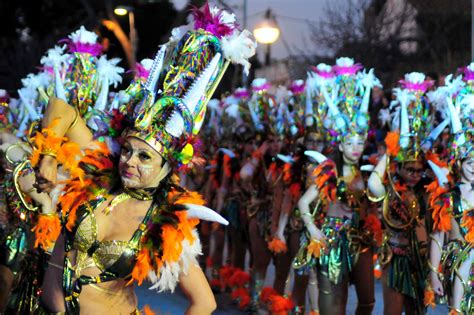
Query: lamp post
{"points": [[267, 32], [124, 10]]}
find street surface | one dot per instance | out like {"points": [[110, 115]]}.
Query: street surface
{"points": [[174, 304]]}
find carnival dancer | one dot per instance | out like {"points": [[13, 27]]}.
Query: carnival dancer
{"points": [[50, 81], [261, 177], [233, 196], [396, 180], [18, 256], [236, 147], [286, 240], [452, 201], [342, 231], [157, 240]]}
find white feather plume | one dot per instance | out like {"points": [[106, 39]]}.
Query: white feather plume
{"points": [[239, 47], [146, 63], [233, 110], [35, 81], [55, 56], [83, 36], [170, 272], [107, 68]]}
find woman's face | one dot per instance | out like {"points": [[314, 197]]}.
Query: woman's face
{"points": [[467, 170], [411, 172], [274, 145], [352, 149], [139, 164]]}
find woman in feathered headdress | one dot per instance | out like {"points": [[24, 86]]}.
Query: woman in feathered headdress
{"points": [[451, 198], [396, 180], [341, 231], [130, 221]]}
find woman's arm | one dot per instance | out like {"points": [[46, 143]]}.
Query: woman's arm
{"points": [[303, 205], [375, 183], [437, 241], [196, 287], [284, 214], [67, 122], [248, 169]]}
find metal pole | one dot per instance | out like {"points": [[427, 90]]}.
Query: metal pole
{"points": [[472, 30], [244, 76], [133, 35], [267, 55]]}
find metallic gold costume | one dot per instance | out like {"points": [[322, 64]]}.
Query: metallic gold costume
{"points": [[402, 253], [455, 253]]}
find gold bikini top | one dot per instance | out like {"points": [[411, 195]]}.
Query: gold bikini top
{"points": [[94, 253]]}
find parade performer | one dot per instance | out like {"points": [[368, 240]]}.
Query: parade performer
{"points": [[396, 181], [286, 240], [452, 200], [103, 243], [262, 181], [341, 230]]}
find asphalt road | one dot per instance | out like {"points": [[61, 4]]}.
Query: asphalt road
{"points": [[167, 303]]}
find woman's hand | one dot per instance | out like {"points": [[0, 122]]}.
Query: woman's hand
{"points": [[317, 234], [436, 284], [27, 185], [46, 175]]}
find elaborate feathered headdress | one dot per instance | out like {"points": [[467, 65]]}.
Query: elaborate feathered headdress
{"points": [[321, 78], [461, 112], [262, 107], [347, 99], [82, 77], [411, 118], [172, 102]]}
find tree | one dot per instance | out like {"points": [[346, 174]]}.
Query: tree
{"points": [[29, 28], [396, 36]]}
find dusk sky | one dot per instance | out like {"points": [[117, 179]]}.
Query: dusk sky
{"points": [[290, 15]]}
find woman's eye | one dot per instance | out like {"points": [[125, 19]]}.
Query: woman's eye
{"points": [[125, 150], [144, 156]]}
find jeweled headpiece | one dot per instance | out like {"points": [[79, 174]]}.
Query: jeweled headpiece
{"points": [[348, 99], [411, 117], [461, 112], [172, 102], [320, 78], [262, 107]]}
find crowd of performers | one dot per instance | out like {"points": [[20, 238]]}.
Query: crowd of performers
{"points": [[91, 198], [325, 178], [338, 186]]}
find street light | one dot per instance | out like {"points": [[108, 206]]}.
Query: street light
{"points": [[267, 32], [121, 11]]}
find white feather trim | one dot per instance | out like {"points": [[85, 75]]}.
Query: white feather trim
{"points": [[344, 62], [55, 56], [415, 77], [146, 63], [239, 47], [108, 69], [233, 111], [34, 81], [169, 273], [83, 36]]}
